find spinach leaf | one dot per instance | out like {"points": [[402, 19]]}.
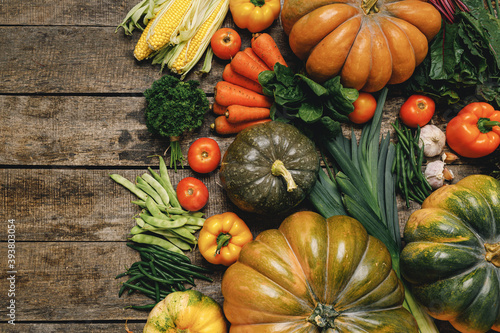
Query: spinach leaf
{"points": [[317, 107]]}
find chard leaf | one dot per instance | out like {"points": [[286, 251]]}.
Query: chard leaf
{"points": [[444, 52]]}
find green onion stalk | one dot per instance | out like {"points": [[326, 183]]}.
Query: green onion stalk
{"points": [[360, 183]]}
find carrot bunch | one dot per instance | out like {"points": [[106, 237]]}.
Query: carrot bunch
{"points": [[239, 99]]}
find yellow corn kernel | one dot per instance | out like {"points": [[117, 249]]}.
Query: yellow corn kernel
{"points": [[167, 23], [197, 43], [142, 49]]}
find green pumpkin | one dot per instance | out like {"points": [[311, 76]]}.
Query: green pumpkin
{"points": [[315, 275], [452, 255], [269, 168]]}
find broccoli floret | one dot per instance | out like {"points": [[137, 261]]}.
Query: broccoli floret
{"points": [[174, 107]]}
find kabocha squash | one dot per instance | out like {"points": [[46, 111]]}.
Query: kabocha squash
{"points": [[369, 43], [452, 255], [315, 275], [269, 168], [186, 311]]}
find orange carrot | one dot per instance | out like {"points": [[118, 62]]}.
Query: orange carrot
{"points": [[231, 76], [244, 65], [239, 113], [223, 127], [228, 94], [255, 57], [265, 48], [218, 109]]}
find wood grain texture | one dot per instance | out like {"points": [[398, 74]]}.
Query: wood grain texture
{"points": [[85, 60], [81, 205], [75, 281], [65, 327], [72, 109]]}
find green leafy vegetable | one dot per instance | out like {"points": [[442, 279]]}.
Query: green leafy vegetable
{"points": [[174, 107], [463, 63], [306, 103]]}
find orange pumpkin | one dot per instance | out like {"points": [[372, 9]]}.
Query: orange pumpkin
{"points": [[369, 43]]}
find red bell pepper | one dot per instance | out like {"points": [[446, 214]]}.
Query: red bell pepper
{"points": [[475, 131]]}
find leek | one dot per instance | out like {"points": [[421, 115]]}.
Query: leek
{"points": [[362, 185]]}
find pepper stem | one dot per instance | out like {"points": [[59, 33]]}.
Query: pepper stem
{"points": [[485, 124], [258, 3], [222, 240], [493, 253], [279, 169]]}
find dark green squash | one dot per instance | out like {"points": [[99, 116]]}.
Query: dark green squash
{"points": [[452, 255], [269, 168]]}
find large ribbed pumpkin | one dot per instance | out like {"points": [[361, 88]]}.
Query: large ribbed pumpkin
{"points": [[452, 256], [315, 275], [368, 43]]}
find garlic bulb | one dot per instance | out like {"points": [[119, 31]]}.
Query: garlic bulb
{"points": [[433, 140], [436, 173]]}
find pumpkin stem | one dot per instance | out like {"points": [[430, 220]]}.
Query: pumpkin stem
{"points": [[493, 253], [369, 6], [278, 169], [222, 240], [323, 316]]}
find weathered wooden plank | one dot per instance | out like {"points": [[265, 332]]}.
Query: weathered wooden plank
{"points": [[88, 60], [81, 130], [46, 12], [65, 327], [86, 205], [106, 131], [80, 205], [67, 281]]}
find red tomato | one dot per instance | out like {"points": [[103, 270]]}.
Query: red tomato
{"points": [[225, 43], [364, 108], [417, 111], [204, 155], [192, 194]]}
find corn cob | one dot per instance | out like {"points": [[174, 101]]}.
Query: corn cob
{"points": [[167, 23], [142, 49], [189, 52]]}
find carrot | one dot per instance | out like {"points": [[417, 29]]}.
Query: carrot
{"points": [[218, 109], [228, 94], [265, 47], [255, 57], [244, 65], [231, 76], [239, 113], [223, 127]]}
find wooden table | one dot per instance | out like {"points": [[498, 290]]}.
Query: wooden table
{"points": [[71, 110]]}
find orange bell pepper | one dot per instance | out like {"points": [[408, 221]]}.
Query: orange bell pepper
{"points": [[254, 15], [222, 237], [475, 131]]}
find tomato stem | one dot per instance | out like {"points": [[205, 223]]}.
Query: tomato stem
{"points": [[222, 240], [278, 169]]}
